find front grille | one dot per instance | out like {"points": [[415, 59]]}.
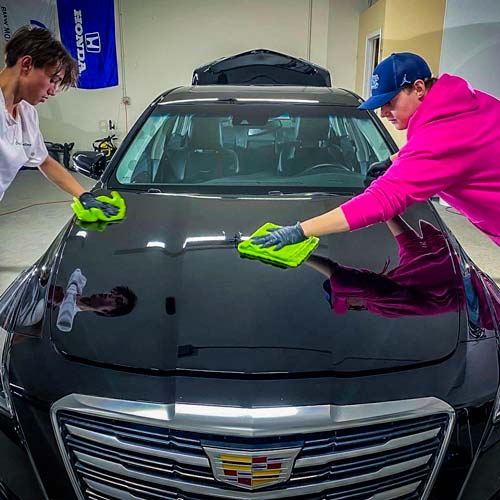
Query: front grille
{"points": [[113, 458]]}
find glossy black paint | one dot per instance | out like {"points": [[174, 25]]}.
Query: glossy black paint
{"points": [[322, 96], [261, 66], [210, 327], [16, 472], [222, 300]]}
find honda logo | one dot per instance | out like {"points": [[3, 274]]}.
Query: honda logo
{"points": [[93, 42]]}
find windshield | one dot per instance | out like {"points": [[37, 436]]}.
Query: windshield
{"points": [[304, 147]]}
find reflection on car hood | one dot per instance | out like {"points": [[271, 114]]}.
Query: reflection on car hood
{"points": [[200, 306]]}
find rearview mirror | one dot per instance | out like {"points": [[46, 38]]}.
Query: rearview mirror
{"points": [[256, 119], [89, 163]]}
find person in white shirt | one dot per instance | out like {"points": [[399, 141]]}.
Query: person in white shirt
{"points": [[36, 66]]}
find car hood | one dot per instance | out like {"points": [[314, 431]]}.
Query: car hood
{"points": [[199, 306]]}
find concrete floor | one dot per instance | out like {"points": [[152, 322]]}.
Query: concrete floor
{"points": [[26, 233], [479, 247]]}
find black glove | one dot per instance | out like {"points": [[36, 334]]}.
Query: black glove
{"points": [[281, 236], [376, 170], [88, 200]]}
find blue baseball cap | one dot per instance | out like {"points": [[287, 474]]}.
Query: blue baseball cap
{"points": [[392, 74]]}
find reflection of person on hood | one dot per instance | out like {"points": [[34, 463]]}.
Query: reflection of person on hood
{"points": [[424, 283], [119, 301]]}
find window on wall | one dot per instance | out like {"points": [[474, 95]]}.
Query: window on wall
{"points": [[372, 58]]}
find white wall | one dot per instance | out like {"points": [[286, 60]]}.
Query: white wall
{"points": [[471, 43], [164, 40], [319, 16], [343, 41]]}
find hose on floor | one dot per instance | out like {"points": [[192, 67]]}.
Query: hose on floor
{"points": [[34, 205]]}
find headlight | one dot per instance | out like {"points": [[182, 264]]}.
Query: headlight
{"points": [[5, 402]]}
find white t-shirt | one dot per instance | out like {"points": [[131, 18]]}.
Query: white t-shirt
{"points": [[21, 142]]}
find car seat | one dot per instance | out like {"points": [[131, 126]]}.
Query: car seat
{"points": [[206, 157], [312, 146]]}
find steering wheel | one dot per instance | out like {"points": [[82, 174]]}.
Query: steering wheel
{"points": [[319, 166]]}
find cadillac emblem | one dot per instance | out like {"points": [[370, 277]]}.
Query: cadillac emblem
{"points": [[252, 469]]}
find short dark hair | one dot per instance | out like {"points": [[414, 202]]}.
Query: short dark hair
{"points": [[131, 299], [44, 49], [429, 82]]}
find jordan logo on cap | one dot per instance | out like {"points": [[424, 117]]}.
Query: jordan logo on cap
{"points": [[404, 80]]}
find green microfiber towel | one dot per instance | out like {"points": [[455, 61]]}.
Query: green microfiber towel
{"points": [[288, 256], [99, 225], [94, 214]]}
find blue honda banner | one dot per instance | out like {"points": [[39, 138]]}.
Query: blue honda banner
{"points": [[88, 31]]}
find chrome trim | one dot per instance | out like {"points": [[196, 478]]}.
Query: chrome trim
{"points": [[157, 468], [367, 450], [115, 442], [441, 454], [5, 396], [397, 492], [96, 496], [237, 495], [251, 422], [124, 495]]}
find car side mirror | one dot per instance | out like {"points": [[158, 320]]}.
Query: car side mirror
{"points": [[89, 163]]}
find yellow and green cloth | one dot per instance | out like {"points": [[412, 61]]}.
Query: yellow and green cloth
{"points": [[288, 256], [95, 214]]}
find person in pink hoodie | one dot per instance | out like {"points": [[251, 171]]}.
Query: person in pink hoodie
{"points": [[453, 150]]}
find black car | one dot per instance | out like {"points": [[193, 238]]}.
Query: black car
{"points": [[147, 360]]}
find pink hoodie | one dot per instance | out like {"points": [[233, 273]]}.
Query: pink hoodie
{"points": [[453, 150]]}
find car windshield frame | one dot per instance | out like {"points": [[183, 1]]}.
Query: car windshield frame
{"points": [[245, 106]]}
